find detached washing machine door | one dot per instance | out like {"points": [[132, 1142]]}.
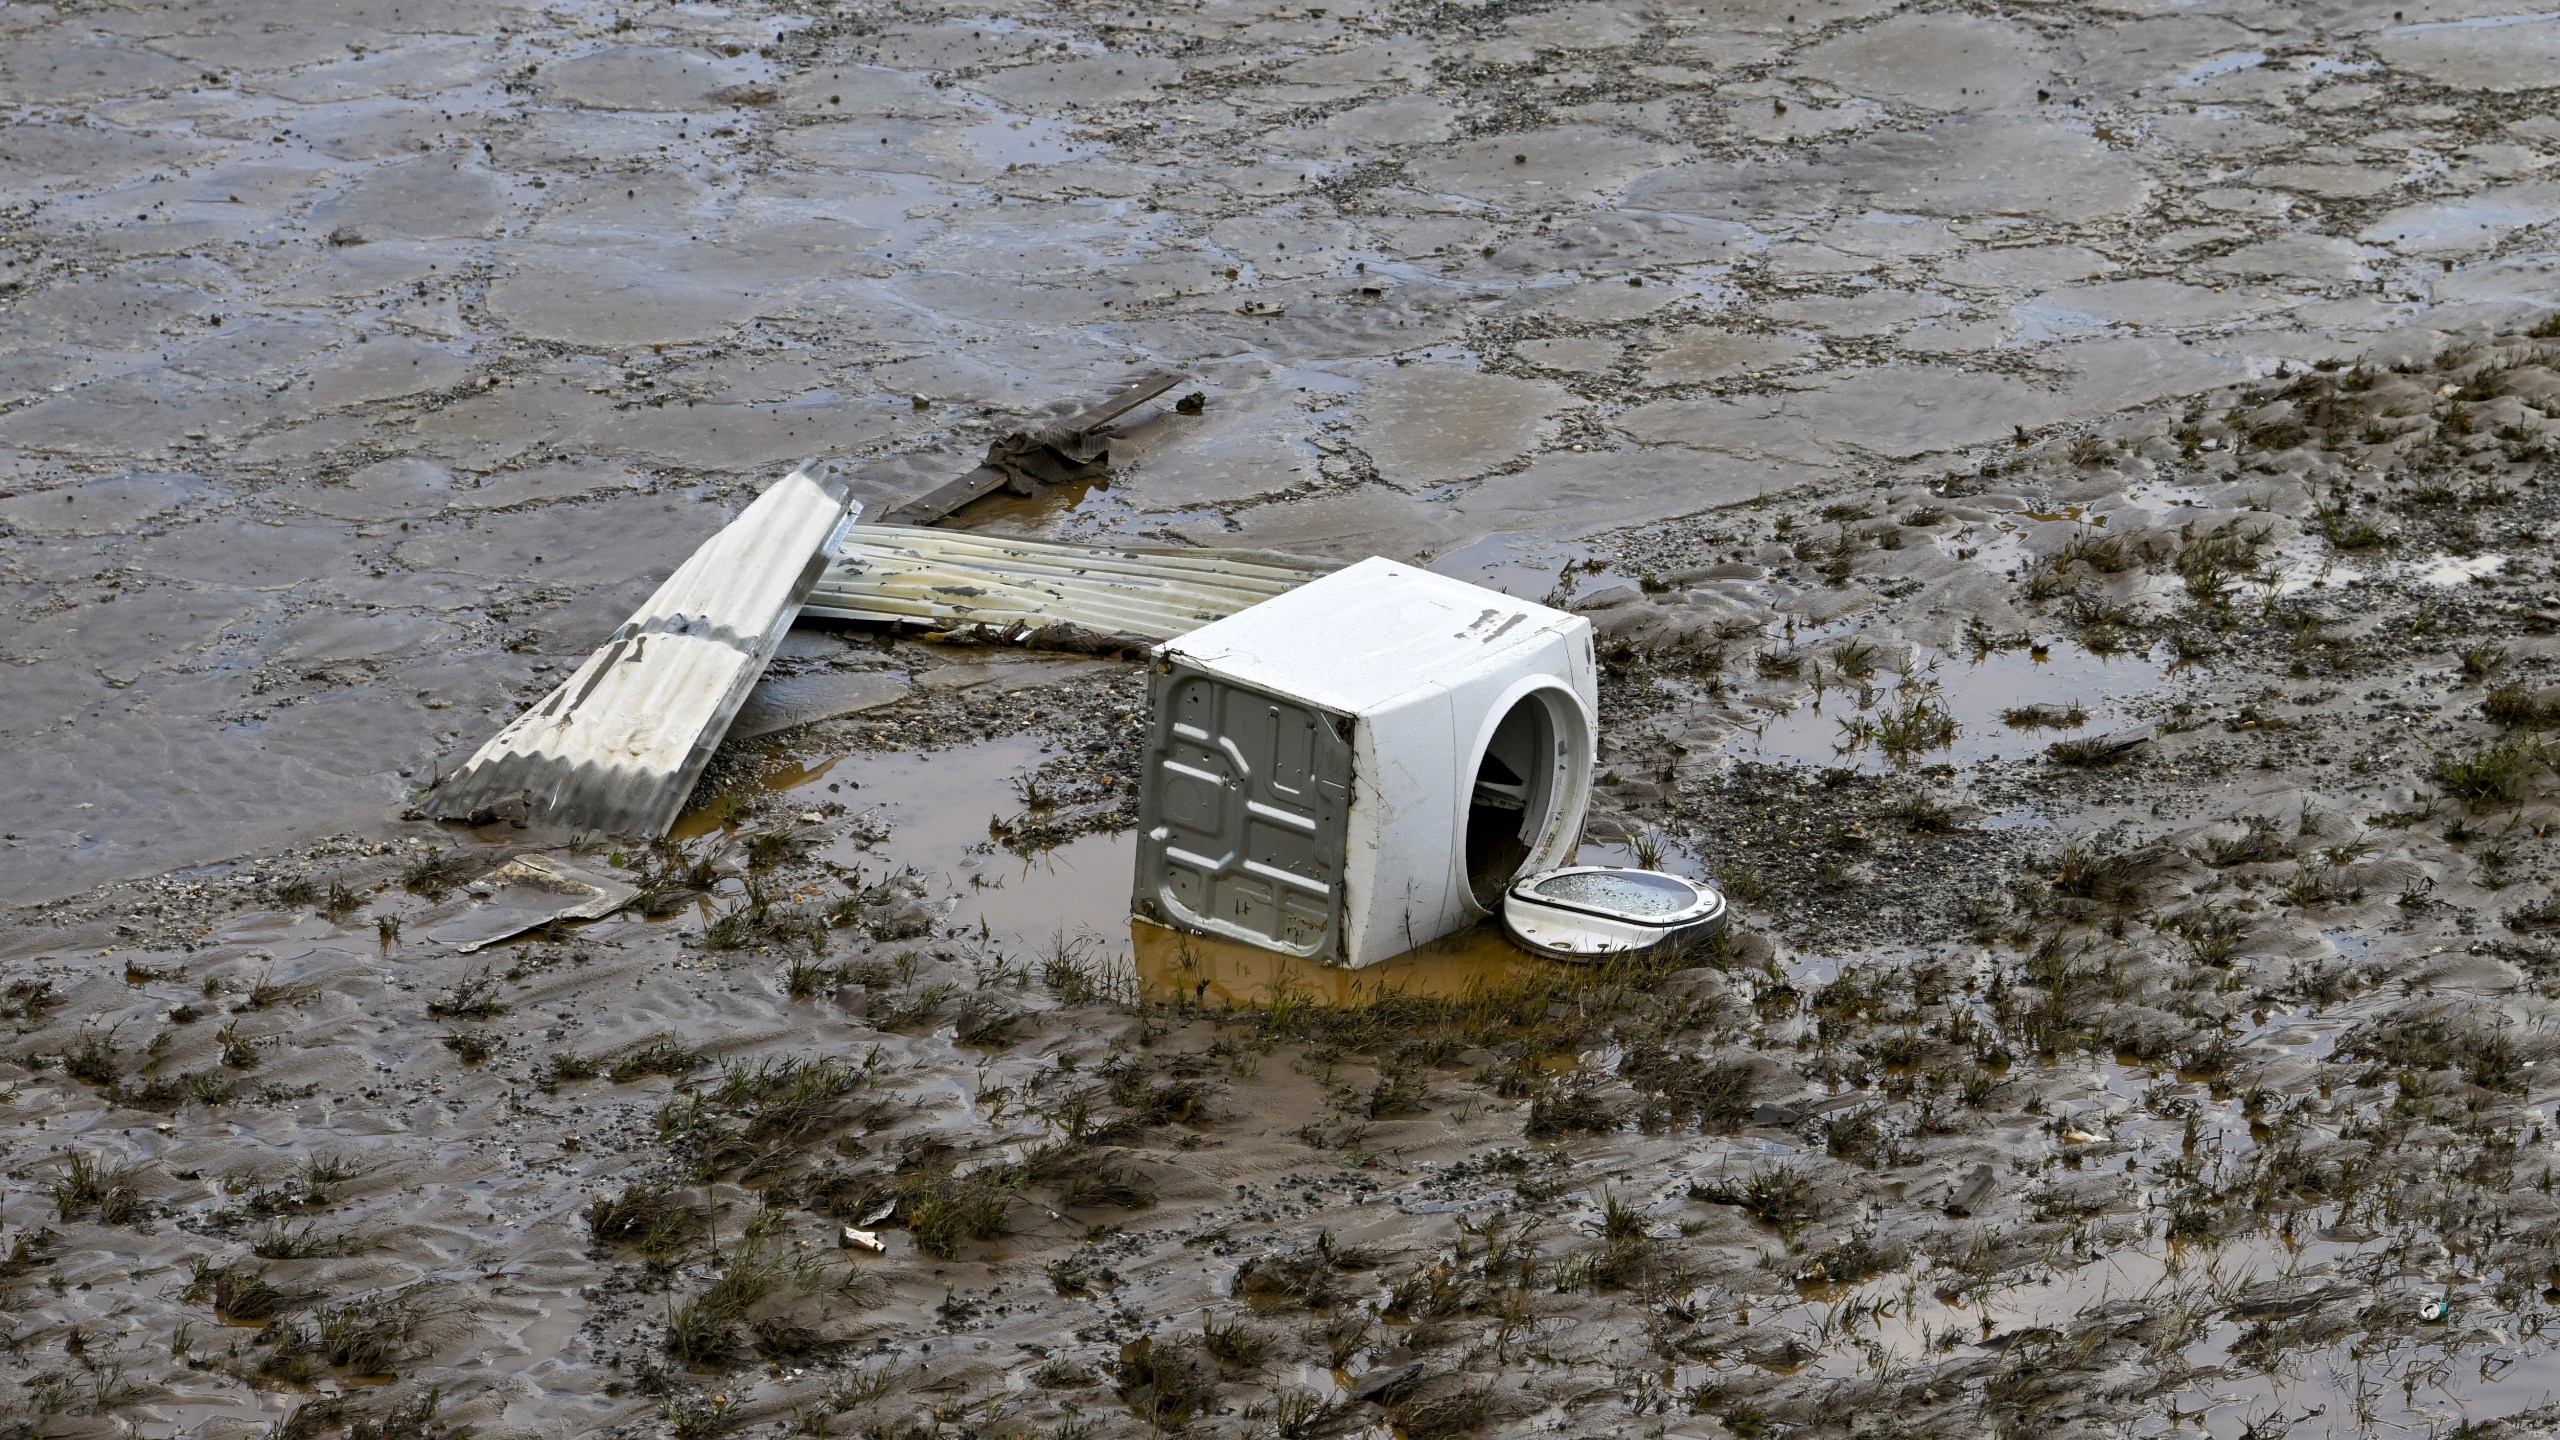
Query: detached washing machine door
{"points": [[1591, 912]]}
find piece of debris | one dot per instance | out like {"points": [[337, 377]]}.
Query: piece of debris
{"points": [[1020, 591], [783, 702], [1075, 449], [1370, 832], [617, 746], [855, 1239], [528, 891], [1262, 308], [1191, 404], [1973, 1192], [2099, 749], [1590, 912], [1380, 1385]]}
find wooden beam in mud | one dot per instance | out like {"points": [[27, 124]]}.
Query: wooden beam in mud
{"points": [[1024, 460]]}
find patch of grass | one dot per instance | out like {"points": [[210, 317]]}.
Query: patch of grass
{"points": [[1087, 1177], [786, 1100], [2481, 658], [2317, 885], [1167, 1382], [378, 1334], [2087, 872], [435, 872], [473, 997], [238, 1050], [2517, 708], [1306, 1279], [985, 1023], [701, 1337], [754, 921], [1147, 1101], [768, 848], [941, 1210], [1234, 1343], [2090, 752], [92, 1058], [665, 1055], [2348, 531], [2260, 840], [241, 1294], [569, 1065], [2539, 918], [2069, 716], [474, 1046], [90, 1186], [804, 976], [29, 1000], [2491, 776], [1444, 1416], [285, 1243], [2212, 564], [1775, 1197], [1062, 1374], [1915, 722], [702, 1331], [414, 1419], [1921, 814], [1569, 1106], [656, 1220]]}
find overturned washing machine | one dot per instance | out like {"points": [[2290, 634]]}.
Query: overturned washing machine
{"points": [[1363, 764]]}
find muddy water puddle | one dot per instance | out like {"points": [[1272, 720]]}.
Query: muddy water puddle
{"points": [[941, 810], [1913, 708]]}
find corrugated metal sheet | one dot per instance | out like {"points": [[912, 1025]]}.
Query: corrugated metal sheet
{"points": [[618, 745], [951, 578]]}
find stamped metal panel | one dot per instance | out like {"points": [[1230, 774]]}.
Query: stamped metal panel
{"points": [[1243, 810]]}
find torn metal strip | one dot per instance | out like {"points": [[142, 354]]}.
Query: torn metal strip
{"points": [[617, 746], [945, 579]]}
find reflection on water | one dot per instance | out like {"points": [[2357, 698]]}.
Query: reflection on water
{"points": [[722, 811], [937, 807], [1976, 694], [1174, 965]]}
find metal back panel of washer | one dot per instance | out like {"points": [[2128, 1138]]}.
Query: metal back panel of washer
{"points": [[1243, 809]]}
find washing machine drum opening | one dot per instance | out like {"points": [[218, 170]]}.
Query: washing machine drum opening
{"points": [[1513, 792]]}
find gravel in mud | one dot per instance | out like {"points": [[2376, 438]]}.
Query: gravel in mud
{"points": [[2067, 497]]}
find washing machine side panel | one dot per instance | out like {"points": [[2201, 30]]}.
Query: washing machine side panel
{"points": [[1400, 835], [1243, 803]]}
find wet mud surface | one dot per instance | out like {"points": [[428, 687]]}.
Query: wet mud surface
{"points": [[2066, 496]]}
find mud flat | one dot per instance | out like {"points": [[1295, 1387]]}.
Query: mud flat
{"points": [[2067, 498]]}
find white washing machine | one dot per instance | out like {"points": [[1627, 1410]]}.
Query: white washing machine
{"points": [[1364, 764]]}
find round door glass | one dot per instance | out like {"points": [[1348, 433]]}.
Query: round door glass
{"points": [[1636, 894]]}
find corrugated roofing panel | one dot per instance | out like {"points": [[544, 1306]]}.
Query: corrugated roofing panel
{"points": [[950, 578], [619, 744]]}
